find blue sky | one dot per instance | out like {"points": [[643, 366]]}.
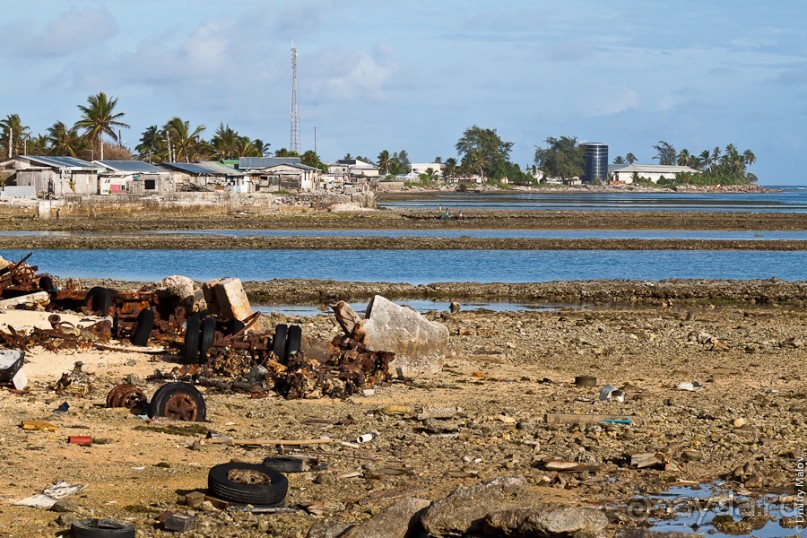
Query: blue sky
{"points": [[381, 74]]}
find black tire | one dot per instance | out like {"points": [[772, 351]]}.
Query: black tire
{"points": [[99, 300], [284, 464], [101, 528], [279, 342], [190, 351], [294, 340], [143, 327], [271, 494], [46, 284], [206, 338], [234, 325], [168, 398]]}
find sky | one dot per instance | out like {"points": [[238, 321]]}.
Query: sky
{"points": [[413, 75]]}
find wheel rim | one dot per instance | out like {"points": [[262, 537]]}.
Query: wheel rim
{"points": [[181, 407], [248, 476]]}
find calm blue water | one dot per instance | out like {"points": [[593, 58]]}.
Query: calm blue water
{"points": [[420, 266], [421, 305], [790, 199], [480, 233]]}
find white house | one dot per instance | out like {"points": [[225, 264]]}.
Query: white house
{"points": [[624, 173], [289, 176], [133, 177], [353, 168], [420, 168]]}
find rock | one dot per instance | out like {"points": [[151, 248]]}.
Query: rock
{"points": [[465, 508], [645, 460], [4, 263], [560, 522], [179, 286], [740, 422], [226, 298], [644, 533], [327, 529], [419, 344], [349, 320], [394, 521], [65, 506], [454, 307]]}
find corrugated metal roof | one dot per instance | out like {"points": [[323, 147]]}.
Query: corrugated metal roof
{"points": [[295, 165], [220, 169], [192, 168], [55, 161], [138, 167], [650, 168], [256, 163]]}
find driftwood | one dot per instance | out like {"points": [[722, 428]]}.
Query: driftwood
{"points": [[39, 297]]}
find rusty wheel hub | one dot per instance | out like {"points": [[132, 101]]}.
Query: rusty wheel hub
{"points": [[181, 407], [126, 395], [248, 476]]}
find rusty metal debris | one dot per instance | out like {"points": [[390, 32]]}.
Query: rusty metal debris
{"points": [[128, 396]]}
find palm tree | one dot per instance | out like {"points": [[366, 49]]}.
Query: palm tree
{"points": [[63, 140], [247, 148], [384, 161], [152, 144], [450, 168], [226, 142], [185, 141], [98, 119], [429, 175], [749, 158], [262, 147], [13, 133], [630, 158]]}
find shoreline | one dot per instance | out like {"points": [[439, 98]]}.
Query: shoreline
{"points": [[770, 292], [190, 242], [420, 219]]}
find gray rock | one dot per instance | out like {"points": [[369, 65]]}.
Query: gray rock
{"points": [[644, 533], [464, 510], [419, 344], [558, 522], [394, 521], [327, 529]]}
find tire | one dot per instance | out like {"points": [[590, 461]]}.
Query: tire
{"points": [[190, 351], [279, 342], [206, 338], [284, 465], [221, 485], [294, 340], [46, 284], [99, 300], [101, 528], [143, 327], [179, 401]]}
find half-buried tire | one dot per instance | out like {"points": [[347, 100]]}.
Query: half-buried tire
{"points": [[190, 351], [101, 528], [178, 401], [248, 483], [206, 342], [143, 327], [279, 342], [99, 300]]}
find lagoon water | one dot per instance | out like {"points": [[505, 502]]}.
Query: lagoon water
{"points": [[792, 199], [421, 266]]}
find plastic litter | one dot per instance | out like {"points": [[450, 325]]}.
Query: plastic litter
{"points": [[694, 386]]}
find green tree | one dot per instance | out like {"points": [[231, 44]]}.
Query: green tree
{"points": [[563, 158], [261, 147], [63, 140], [429, 175], [13, 133], [283, 152], [483, 151], [619, 159], [449, 168], [99, 118], [630, 158], [384, 161], [226, 143], [310, 158], [665, 153], [153, 145], [185, 143]]}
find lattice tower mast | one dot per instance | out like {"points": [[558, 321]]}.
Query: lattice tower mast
{"points": [[295, 119]]}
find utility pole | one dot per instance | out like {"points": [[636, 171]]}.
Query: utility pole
{"points": [[10, 142], [294, 145], [315, 139], [170, 151]]}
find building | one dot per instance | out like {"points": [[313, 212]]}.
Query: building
{"points": [[53, 175], [133, 177], [420, 168], [353, 168], [595, 163], [272, 174], [627, 173], [209, 176]]}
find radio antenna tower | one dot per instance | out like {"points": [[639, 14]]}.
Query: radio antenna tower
{"points": [[295, 119]]}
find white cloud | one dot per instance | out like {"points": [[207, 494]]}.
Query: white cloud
{"points": [[615, 100], [74, 30], [349, 75]]}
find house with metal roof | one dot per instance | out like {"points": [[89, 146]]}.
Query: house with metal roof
{"points": [[54, 176], [261, 163], [627, 173], [133, 177], [208, 176], [287, 177], [353, 168]]}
